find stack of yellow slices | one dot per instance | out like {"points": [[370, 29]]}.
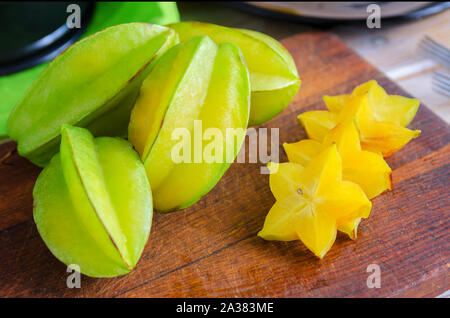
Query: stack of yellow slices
{"points": [[330, 177]]}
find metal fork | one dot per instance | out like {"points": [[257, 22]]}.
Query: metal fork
{"points": [[435, 51], [441, 82], [441, 55]]}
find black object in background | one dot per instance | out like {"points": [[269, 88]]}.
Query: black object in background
{"points": [[423, 9], [35, 32]]}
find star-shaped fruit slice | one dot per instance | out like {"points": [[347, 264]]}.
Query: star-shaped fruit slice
{"points": [[312, 202], [392, 108], [383, 137], [367, 169], [318, 123]]}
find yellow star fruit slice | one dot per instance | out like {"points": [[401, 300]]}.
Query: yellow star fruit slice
{"points": [[322, 181], [313, 203], [283, 181], [302, 151], [336, 103], [317, 230], [391, 108], [369, 170], [350, 228], [377, 136], [318, 123]]}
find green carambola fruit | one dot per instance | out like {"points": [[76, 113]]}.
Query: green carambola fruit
{"points": [[92, 84], [93, 204], [197, 96], [273, 74]]}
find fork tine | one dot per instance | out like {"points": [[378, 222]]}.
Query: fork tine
{"points": [[435, 51], [442, 74], [441, 83], [445, 86], [441, 90], [436, 45], [440, 77], [443, 51]]}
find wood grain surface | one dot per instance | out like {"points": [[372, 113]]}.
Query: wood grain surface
{"points": [[211, 249]]}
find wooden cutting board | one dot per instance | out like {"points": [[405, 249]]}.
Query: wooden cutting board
{"points": [[211, 249]]}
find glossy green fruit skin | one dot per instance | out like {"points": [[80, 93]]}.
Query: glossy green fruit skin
{"points": [[273, 74], [194, 80], [92, 84], [93, 204]]}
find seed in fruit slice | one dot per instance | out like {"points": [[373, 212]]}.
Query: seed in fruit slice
{"points": [[93, 204], [93, 84], [196, 87], [312, 202], [273, 74]]}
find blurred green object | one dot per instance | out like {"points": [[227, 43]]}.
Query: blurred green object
{"points": [[14, 86]]}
